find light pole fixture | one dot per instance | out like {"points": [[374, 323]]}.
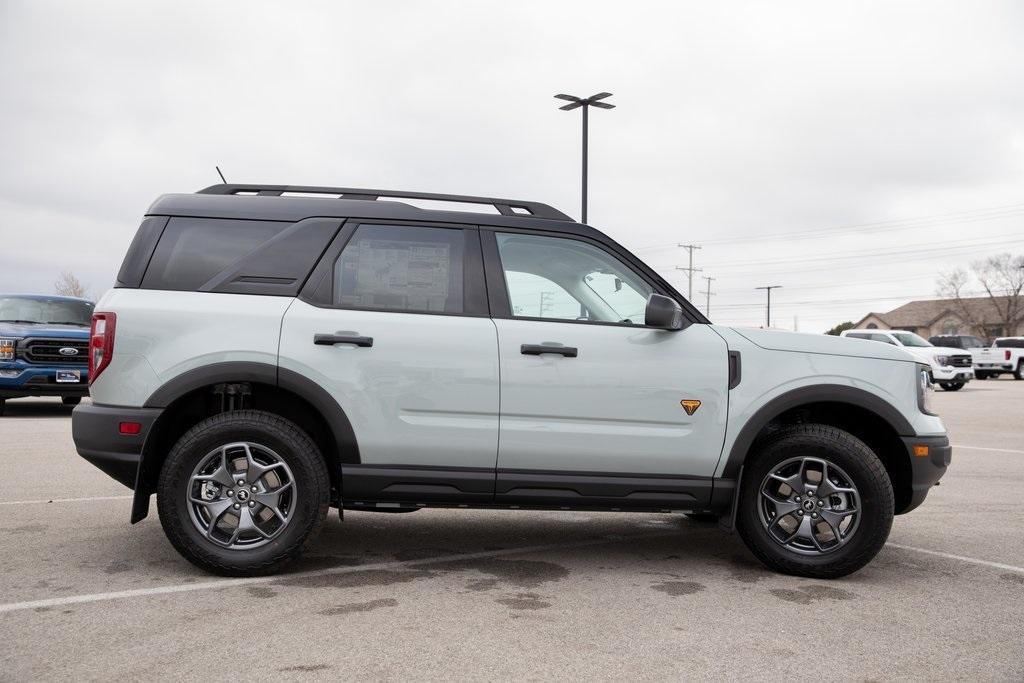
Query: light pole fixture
{"points": [[768, 290], [586, 104]]}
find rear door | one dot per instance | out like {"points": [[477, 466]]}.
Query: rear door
{"points": [[591, 400], [394, 326]]}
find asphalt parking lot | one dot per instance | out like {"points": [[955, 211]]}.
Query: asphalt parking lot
{"points": [[498, 595]]}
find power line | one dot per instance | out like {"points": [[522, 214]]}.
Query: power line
{"points": [[965, 216], [689, 271]]}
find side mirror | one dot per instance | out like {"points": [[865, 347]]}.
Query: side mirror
{"points": [[663, 313]]}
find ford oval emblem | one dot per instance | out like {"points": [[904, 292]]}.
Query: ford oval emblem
{"points": [[68, 351]]}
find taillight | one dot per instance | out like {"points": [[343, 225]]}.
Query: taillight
{"points": [[1007, 354], [101, 343]]}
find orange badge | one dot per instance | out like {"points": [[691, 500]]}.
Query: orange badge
{"points": [[690, 405]]}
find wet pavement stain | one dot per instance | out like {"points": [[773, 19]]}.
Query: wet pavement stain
{"points": [[745, 570], [119, 566], [805, 595], [26, 529], [356, 579], [520, 573], [314, 562], [524, 601], [359, 607], [422, 554], [482, 585], [261, 592], [305, 668], [1013, 578], [676, 588]]}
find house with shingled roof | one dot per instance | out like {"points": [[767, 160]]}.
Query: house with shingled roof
{"points": [[979, 316]]}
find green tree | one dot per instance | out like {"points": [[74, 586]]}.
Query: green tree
{"points": [[839, 328]]}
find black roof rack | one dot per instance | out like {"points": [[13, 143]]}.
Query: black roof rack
{"points": [[506, 207]]}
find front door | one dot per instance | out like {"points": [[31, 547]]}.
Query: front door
{"points": [[398, 334], [596, 408]]}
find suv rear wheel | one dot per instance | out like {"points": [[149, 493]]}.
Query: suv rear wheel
{"points": [[815, 501], [242, 493]]}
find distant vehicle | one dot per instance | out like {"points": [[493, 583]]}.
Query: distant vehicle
{"points": [[44, 347], [271, 351], [968, 342], [1005, 356], [951, 367]]}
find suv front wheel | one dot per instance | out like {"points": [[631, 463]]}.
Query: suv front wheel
{"points": [[815, 501], [242, 493]]}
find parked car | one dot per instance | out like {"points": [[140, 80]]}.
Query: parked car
{"points": [[43, 340], [951, 368], [969, 343], [266, 355], [1005, 356]]}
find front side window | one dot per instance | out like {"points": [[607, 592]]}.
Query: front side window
{"points": [[910, 339], [401, 268], [566, 279]]}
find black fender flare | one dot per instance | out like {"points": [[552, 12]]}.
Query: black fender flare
{"points": [[244, 371], [818, 393]]}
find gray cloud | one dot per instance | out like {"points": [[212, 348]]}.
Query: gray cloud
{"points": [[733, 120]]}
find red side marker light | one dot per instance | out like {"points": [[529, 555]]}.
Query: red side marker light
{"points": [[129, 428]]}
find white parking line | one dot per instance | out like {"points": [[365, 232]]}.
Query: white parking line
{"points": [[231, 583], [961, 558], [63, 500], [980, 448]]}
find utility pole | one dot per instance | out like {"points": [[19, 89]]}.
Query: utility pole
{"points": [[769, 289], [691, 270], [586, 103], [708, 293]]}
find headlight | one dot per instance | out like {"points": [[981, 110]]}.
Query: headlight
{"points": [[924, 390], [6, 349], [942, 360]]}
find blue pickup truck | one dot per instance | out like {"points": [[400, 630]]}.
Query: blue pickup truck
{"points": [[44, 347]]}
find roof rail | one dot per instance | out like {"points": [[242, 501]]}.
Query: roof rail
{"points": [[506, 207]]}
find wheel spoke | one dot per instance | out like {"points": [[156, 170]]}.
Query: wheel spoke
{"points": [[222, 475], [254, 470], [828, 488]]}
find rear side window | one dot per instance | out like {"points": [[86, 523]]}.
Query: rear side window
{"points": [[1010, 343], [193, 250], [401, 268]]}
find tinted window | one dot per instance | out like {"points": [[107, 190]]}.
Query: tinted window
{"points": [[398, 268], [193, 250], [1010, 343], [566, 279]]}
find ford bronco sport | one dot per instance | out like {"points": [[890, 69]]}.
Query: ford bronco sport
{"points": [[269, 352]]}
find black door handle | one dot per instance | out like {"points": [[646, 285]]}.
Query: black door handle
{"points": [[332, 339], [538, 349]]}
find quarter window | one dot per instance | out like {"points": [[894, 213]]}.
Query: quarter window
{"points": [[567, 279], [401, 268]]}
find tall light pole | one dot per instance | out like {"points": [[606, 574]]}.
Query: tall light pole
{"points": [[586, 104], [769, 289]]}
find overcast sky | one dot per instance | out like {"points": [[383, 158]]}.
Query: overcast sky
{"points": [[889, 135]]}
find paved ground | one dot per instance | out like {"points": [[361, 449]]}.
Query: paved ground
{"points": [[500, 595]]}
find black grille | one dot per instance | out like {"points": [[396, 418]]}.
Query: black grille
{"points": [[960, 361], [48, 351]]}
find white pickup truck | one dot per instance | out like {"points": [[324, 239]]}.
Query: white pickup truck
{"points": [[951, 367], [1006, 355]]}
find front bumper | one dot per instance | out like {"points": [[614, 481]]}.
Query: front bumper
{"points": [[98, 439], [926, 469], [40, 380], [947, 373]]}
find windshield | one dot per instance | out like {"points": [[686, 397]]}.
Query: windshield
{"points": [[29, 310], [909, 339]]}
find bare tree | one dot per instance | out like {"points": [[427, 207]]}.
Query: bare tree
{"points": [[69, 285], [1002, 278]]}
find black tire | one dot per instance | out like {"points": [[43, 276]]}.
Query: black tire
{"points": [[1019, 372], [71, 400], [293, 446], [980, 374], [864, 469], [952, 386], [3, 406]]}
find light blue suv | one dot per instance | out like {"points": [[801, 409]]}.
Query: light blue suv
{"points": [[44, 343]]}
